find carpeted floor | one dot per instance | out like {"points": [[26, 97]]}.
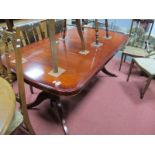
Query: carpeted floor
{"points": [[107, 106]]}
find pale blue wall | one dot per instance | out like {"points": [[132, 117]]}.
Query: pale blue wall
{"points": [[123, 25]]}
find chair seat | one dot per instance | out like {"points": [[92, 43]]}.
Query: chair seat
{"points": [[16, 122], [135, 51], [148, 64], [152, 55]]}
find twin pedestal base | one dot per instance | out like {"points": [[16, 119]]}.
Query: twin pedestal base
{"points": [[56, 103]]}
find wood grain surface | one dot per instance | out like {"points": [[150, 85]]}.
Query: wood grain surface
{"points": [[79, 68]]}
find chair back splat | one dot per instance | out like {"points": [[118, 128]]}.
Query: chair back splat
{"points": [[31, 32]]}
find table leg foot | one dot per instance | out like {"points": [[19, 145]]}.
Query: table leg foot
{"points": [[62, 119], [104, 70], [59, 109], [58, 106]]}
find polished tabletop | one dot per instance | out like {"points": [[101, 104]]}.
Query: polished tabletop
{"points": [[79, 69], [7, 105]]}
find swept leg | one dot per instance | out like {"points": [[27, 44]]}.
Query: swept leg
{"points": [[104, 70], [61, 115], [142, 92], [31, 89], [41, 97], [53, 99]]}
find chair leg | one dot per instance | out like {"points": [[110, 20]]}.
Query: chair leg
{"points": [[27, 120], [121, 61], [31, 89], [28, 125], [130, 69], [125, 58], [143, 91]]}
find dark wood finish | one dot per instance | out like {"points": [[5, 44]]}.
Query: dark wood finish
{"points": [[29, 32], [64, 28], [130, 69], [150, 77], [104, 70], [106, 27], [41, 97], [9, 23], [55, 102], [31, 89], [79, 68], [122, 56], [79, 28], [96, 29], [58, 106], [143, 91]]}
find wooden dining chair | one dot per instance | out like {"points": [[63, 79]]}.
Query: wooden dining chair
{"points": [[31, 32], [2, 49], [37, 30], [147, 65], [138, 40], [21, 116]]}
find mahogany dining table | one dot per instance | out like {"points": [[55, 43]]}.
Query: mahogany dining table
{"points": [[79, 68]]}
